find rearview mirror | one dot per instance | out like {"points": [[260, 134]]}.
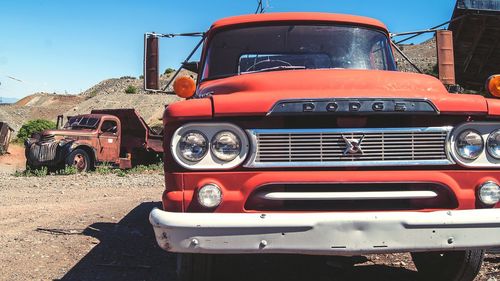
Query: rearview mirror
{"points": [[151, 62]]}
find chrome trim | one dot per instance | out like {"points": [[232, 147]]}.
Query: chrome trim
{"points": [[253, 133], [355, 195], [209, 161], [277, 108], [485, 160]]}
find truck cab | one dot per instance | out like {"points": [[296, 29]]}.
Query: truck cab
{"points": [[301, 137]]}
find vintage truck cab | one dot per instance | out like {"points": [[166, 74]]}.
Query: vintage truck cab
{"points": [[118, 137], [301, 137]]}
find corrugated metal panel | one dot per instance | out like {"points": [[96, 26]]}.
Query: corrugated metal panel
{"points": [[476, 37], [492, 5]]}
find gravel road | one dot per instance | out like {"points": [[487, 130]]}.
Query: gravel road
{"points": [[95, 227]]}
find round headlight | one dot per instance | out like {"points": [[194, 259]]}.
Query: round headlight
{"points": [[469, 144], [226, 146], [210, 196], [489, 193], [493, 144], [193, 146]]}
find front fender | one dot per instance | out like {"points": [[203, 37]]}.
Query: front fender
{"points": [[69, 147]]}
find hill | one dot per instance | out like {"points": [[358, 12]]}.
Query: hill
{"points": [[110, 93], [37, 106], [424, 55]]}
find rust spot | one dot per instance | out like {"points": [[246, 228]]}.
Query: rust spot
{"points": [[166, 244]]}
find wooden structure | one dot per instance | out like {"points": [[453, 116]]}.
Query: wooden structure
{"points": [[476, 31], [5, 135]]}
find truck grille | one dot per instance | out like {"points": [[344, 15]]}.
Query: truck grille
{"points": [[349, 147]]}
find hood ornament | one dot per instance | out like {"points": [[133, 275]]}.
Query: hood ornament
{"points": [[353, 146]]}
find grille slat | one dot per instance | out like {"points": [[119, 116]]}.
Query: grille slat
{"points": [[327, 147]]}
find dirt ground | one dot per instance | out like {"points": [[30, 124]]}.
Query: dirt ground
{"points": [[95, 227], [14, 160]]}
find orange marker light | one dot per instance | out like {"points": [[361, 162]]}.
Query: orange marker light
{"points": [[493, 85], [184, 87]]}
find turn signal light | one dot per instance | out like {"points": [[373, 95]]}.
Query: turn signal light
{"points": [[493, 85], [184, 87]]}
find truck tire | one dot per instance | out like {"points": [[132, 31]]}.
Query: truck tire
{"points": [[195, 267], [449, 266], [79, 159]]}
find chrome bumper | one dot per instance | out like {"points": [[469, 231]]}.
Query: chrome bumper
{"points": [[326, 233]]}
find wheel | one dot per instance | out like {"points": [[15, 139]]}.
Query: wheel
{"points": [[79, 159], [195, 267], [449, 266]]}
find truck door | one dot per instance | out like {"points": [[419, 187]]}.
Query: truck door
{"points": [[109, 141]]}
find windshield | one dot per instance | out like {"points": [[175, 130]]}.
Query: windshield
{"points": [[79, 122], [289, 47]]}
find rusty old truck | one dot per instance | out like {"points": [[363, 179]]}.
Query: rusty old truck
{"points": [[301, 137], [117, 137]]}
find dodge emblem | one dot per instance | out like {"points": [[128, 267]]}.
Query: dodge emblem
{"points": [[353, 146]]}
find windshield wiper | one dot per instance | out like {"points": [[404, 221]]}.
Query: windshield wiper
{"points": [[277, 68]]}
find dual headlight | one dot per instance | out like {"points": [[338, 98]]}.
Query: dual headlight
{"points": [[225, 145], [209, 146], [470, 144], [477, 144]]}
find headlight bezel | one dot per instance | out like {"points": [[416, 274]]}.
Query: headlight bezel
{"points": [[210, 161], [484, 160]]}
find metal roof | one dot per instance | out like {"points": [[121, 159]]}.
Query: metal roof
{"points": [[484, 5]]}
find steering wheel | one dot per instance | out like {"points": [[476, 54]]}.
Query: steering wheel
{"points": [[282, 62]]}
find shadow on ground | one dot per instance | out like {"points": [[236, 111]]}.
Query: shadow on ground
{"points": [[128, 251]]}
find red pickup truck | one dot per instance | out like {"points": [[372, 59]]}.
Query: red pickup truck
{"points": [[301, 137]]}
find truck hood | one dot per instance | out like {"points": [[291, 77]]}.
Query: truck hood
{"points": [[257, 93], [69, 133]]}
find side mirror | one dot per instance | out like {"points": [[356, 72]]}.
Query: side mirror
{"points": [[151, 62], [192, 66], [446, 57]]}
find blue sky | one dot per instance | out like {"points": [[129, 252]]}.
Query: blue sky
{"points": [[66, 46]]}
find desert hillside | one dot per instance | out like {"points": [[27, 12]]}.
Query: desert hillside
{"points": [[125, 92], [37, 106], [424, 55]]}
